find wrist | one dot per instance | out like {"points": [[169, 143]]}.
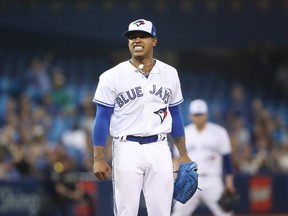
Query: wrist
{"points": [[98, 158], [98, 153], [184, 158]]}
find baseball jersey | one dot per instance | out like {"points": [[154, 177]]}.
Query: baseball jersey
{"points": [[140, 103], [207, 147]]}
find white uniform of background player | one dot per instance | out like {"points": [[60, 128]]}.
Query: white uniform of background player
{"points": [[141, 93], [206, 143]]}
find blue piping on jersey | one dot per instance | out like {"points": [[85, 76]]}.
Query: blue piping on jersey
{"points": [[177, 103], [103, 103]]}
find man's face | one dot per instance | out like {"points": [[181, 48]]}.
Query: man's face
{"points": [[199, 119], [141, 44]]}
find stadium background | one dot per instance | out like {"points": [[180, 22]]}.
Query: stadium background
{"points": [[231, 53]]}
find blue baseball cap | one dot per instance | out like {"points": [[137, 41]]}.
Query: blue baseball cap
{"points": [[141, 25]]}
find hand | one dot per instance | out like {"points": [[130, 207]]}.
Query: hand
{"points": [[102, 170], [231, 188], [229, 183]]}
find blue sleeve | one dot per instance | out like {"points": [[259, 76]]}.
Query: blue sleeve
{"points": [[227, 164], [101, 125], [177, 122]]}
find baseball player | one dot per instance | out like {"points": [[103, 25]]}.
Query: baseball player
{"points": [[209, 145], [138, 100]]}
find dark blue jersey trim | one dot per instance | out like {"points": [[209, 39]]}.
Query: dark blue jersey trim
{"points": [[227, 164], [177, 103], [103, 103]]}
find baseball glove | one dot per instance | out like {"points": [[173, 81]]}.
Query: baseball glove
{"points": [[186, 182], [228, 201]]}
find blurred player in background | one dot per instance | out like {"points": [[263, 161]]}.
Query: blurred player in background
{"points": [[209, 145], [138, 100]]}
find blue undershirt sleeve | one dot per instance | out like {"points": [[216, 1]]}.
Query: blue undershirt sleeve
{"points": [[101, 125], [177, 122], [227, 164]]}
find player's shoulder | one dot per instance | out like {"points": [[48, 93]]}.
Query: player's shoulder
{"points": [[216, 127], [189, 127], [114, 70], [165, 66]]}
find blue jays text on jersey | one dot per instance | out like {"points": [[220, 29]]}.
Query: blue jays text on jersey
{"points": [[132, 94]]}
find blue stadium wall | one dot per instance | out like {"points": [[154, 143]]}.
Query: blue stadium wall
{"points": [[259, 195], [179, 26]]}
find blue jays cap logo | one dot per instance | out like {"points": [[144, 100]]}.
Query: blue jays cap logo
{"points": [[162, 113], [139, 23]]}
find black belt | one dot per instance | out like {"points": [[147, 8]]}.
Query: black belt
{"points": [[142, 140]]}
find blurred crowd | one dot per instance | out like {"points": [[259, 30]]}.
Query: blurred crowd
{"points": [[42, 123], [259, 136]]}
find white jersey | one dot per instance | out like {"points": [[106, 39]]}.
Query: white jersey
{"points": [[140, 103], [207, 147]]}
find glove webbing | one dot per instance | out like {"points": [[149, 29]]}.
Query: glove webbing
{"points": [[174, 201], [192, 177]]}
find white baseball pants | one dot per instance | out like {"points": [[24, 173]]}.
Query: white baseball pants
{"points": [[146, 167]]}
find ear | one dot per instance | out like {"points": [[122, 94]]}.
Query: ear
{"points": [[155, 40]]}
